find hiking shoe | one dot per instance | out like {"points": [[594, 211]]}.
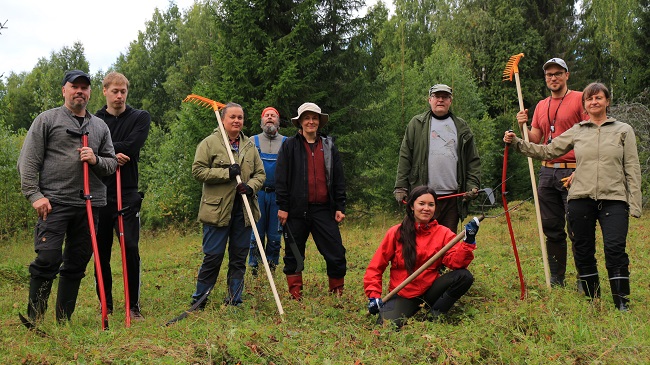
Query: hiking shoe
{"points": [[136, 315]]}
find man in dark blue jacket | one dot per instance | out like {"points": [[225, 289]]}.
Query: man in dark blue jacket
{"points": [[129, 130]]}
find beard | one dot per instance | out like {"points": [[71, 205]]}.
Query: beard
{"points": [[270, 129]]}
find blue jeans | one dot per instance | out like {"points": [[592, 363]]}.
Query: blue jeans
{"points": [[269, 227], [214, 248]]}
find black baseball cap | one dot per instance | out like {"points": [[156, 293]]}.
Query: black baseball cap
{"points": [[72, 75]]}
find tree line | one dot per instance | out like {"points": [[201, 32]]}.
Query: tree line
{"points": [[371, 73]]}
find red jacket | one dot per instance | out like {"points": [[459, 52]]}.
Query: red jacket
{"points": [[429, 240]]}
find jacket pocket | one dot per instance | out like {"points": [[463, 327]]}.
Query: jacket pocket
{"points": [[210, 209]]}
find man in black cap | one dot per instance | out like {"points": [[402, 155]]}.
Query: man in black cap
{"points": [[51, 174], [552, 117], [438, 150]]}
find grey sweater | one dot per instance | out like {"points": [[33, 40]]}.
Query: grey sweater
{"points": [[49, 164]]}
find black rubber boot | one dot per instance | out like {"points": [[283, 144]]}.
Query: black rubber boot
{"points": [[39, 293], [556, 280], [591, 285], [66, 298], [442, 305], [619, 281]]}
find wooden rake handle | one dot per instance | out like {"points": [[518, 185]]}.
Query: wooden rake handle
{"points": [[512, 69]]}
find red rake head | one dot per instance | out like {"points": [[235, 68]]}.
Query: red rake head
{"points": [[204, 102], [512, 67]]}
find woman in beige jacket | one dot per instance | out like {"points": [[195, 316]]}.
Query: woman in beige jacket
{"points": [[605, 188]]}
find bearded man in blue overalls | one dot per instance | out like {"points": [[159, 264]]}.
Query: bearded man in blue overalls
{"points": [[268, 144]]}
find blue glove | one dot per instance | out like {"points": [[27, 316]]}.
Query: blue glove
{"points": [[471, 229], [374, 304]]}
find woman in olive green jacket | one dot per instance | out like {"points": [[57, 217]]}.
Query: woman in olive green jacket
{"points": [[222, 211]]}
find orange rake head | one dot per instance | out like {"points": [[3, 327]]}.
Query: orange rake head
{"points": [[512, 67], [204, 102]]}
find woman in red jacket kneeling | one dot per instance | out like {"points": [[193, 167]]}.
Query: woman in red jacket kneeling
{"points": [[406, 247]]}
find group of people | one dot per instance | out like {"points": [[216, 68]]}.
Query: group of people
{"points": [[294, 187], [51, 174], [590, 173]]}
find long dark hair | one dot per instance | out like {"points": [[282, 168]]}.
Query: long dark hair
{"points": [[407, 229]]}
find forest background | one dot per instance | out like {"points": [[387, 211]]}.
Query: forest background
{"points": [[371, 73]]}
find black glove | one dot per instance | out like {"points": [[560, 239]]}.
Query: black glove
{"points": [[374, 304], [244, 189], [471, 229], [233, 171]]}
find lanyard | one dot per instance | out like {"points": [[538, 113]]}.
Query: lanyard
{"points": [[548, 114]]}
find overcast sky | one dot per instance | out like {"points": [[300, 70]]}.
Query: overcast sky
{"points": [[36, 28]]}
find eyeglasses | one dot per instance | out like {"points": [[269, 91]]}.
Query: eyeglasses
{"points": [[556, 75], [443, 96]]}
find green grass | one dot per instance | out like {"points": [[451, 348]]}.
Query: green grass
{"points": [[490, 325]]}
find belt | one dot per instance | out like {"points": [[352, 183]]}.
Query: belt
{"points": [[268, 190], [559, 165]]}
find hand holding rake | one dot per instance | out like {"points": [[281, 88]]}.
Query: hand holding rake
{"points": [[207, 103]]}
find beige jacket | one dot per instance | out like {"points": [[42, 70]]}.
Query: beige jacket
{"points": [[606, 157]]}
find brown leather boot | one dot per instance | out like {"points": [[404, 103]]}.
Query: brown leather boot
{"points": [[336, 285], [294, 282]]}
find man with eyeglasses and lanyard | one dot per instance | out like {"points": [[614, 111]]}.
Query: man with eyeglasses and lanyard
{"points": [[552, 117]]}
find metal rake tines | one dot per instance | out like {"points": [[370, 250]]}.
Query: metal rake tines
{"points": [[203, 101], [512, 67]]}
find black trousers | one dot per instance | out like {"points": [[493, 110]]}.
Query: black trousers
{"points": [[447, 213], [107, 224], [327, 236], [63, 223], [613, 217], [553, 208], [455, 283]]}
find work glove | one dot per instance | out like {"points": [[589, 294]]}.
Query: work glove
{"points": [[470, 195], [471, 229], [233, 171], [374, 304], [400, 195], [244, 189]]}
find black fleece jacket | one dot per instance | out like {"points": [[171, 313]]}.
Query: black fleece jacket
{"points": [[129, 131], [291, 181]]}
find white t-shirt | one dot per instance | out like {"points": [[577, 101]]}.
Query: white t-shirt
{"points": [[443, 156]]}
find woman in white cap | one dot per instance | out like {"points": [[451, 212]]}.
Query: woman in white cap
{"points": [[310, 192]]}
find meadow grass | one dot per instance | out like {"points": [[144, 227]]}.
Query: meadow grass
{"points": [[490, 325]]}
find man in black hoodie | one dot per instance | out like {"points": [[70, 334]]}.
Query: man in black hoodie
{"points": [[129, 130]]}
